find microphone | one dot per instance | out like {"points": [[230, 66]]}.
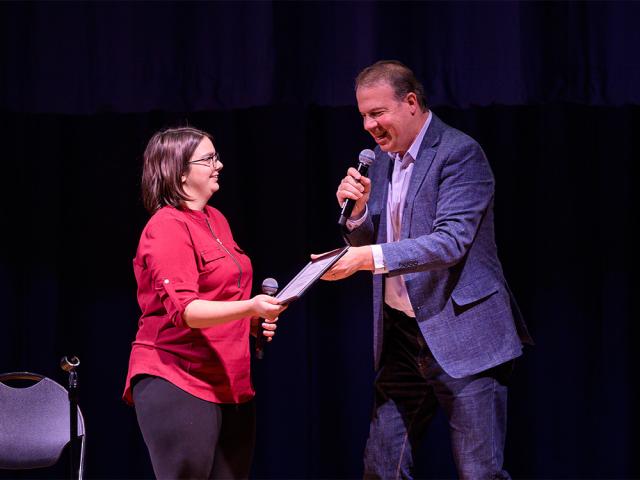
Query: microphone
{"points": [[269, 287], [365, 159], [69, 364]]}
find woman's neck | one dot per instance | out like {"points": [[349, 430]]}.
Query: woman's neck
{"points": [[198, 205]]}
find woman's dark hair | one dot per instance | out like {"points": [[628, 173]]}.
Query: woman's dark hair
{"points": [[165, 161], [397, 75]]}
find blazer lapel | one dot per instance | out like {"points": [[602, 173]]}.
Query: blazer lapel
{"points": [[426, 154], [381, 183]]}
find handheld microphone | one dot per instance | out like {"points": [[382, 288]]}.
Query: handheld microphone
{"points": [[365, 159], [269, 287]]}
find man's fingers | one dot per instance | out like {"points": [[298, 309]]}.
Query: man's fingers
{"points": [[353, 172], [349, 194], [332, 275], [347, 190], [350, 181], [317, 255]]}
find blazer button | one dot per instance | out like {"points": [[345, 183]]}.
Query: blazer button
{"points": [[166, 281]]}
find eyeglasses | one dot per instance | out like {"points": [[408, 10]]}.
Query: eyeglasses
{"points": [[211, 160]]}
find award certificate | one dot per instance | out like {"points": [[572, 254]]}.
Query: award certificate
{"points": [[309, 275]]}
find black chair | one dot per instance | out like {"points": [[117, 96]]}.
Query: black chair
{"points": [[34, 423]]}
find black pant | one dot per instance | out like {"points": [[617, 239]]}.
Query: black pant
{"points": [[191, 438]]}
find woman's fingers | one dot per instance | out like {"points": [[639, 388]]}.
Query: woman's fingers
{"points": [[269, 329]]}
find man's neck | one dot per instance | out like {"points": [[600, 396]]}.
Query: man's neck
{"points": [[420, 118]]}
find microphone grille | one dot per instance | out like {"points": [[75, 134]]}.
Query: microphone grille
{"points": [[366, 156], [269, 286]]}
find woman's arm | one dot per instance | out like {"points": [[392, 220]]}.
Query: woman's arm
{"points": [[206, 313]]}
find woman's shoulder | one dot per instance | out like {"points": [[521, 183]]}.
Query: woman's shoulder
{"points": [[166, 218], [215, 214], [168, 213]]}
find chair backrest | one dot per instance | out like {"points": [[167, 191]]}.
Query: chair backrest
{"points": [[34, 421]]}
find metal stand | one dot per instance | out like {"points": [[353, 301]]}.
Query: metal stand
{"points": [[69, 365]]}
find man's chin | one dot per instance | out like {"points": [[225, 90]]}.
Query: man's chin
{"points": [[386, 147]]}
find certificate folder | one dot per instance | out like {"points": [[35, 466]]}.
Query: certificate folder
{"points": [[309, 275]]}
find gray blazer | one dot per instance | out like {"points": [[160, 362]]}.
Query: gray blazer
{"points": [[447, 254]]}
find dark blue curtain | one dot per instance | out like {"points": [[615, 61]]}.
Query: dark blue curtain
{"points": [[79, 58], [550, 90]]}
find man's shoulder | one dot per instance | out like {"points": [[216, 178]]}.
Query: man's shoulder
{"points": [[450, 136]]}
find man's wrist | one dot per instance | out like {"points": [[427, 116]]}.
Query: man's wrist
{"points": [[354, 217], [378, 259], [366, 258], [353, 222]]}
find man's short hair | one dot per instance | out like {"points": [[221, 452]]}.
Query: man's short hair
{"points": [[397, 75]]}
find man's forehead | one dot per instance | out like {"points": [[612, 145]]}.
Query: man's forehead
{"points": [[378, 85], [375, 96]]}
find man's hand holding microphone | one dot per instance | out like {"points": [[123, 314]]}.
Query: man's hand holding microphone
{"points": [[353, 195]]}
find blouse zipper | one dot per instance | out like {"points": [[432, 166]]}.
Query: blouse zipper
{"points": [[226, 250]]}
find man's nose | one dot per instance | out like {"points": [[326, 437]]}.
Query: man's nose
{"points": [[369, 123]]}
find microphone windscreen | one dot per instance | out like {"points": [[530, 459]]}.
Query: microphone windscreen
{"points": [[367, 156], [269, 286]]}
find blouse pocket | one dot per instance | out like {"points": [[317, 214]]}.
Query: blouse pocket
{"points": [[210, 258]]}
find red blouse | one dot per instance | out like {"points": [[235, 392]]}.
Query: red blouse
{"points": [[184, 255]]}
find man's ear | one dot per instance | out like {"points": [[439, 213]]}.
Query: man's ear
{"points": [[412, 100]]}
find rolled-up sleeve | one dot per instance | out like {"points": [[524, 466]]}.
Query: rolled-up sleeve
{"points": [[168, 253]]}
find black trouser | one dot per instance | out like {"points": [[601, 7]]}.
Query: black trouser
{"points": [[191, 438]]}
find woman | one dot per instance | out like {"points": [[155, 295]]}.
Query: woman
{"points": [[189, 372]]}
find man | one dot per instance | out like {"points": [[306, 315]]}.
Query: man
{"points": [[446, 326]]}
